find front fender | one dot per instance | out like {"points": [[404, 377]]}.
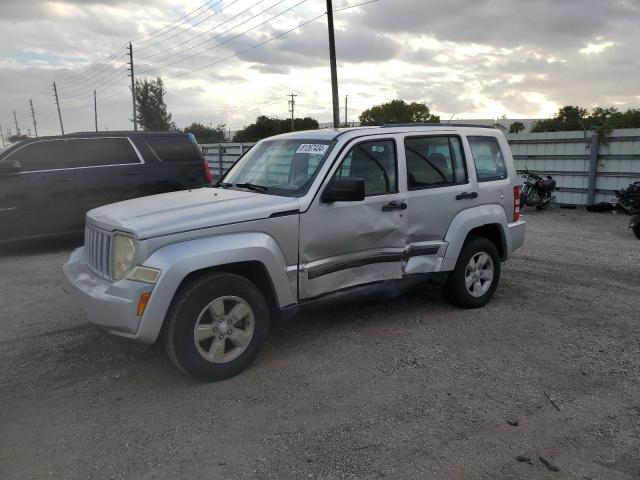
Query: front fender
{"points": [[180, 259], [466, 221]]}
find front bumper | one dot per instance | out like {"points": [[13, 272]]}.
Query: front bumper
{"points": [[517, 231], [112, 305]]}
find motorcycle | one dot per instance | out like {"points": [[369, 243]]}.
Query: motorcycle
{"points": [[629, 200], [536, 190]]}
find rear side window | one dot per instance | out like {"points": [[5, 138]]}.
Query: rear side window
{"points": [[100, 152], [172, 149], [434, 162], [49, 155], [490, 164]]}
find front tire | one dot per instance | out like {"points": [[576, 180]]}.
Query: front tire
{"points": [[475, 278], [635, 221], [216, 326]]}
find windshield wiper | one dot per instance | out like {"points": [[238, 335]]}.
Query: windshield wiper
{"points": [[222, 185], [251, 186]]}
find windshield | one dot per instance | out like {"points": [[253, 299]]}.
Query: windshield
{"points": [[280, 167]]}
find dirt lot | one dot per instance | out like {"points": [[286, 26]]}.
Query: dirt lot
{"points": [[410, 388]]}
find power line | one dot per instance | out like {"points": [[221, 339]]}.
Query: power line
{"points": [[282, 34], [172, 23], [84, 77], [203, 33], [191, 27], [229, 39]]}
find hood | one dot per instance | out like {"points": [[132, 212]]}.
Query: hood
{"points": [[186, 210]]}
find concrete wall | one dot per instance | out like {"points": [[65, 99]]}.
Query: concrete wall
{"points": [[568, 156]]}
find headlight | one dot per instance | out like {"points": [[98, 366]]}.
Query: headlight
{"points": [[123, 255]]}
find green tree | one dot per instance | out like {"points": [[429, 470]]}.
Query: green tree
{"points": [[600, 120], [17, 138], [207, 134], [268, 126], [398, 111], [568, 118], [516, 127], [151, 110]]}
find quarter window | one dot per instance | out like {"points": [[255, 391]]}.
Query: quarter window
{"points": [[434, 162], [98, 152], [375, 163], [490, 164], [174, 148], [49, 155]]}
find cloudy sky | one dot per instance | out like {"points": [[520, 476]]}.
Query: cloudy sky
{"points": [[466, 58]]}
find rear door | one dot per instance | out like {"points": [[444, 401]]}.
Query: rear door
{"points": [[441, 183], [42, 197], [107, 169]]}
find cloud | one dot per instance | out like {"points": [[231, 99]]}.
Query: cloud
{"points": [[476, 59]]}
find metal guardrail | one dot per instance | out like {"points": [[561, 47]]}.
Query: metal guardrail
{"points": [[221, 156], [585, 170]]}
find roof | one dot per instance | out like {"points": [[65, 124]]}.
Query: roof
{"points": [[335, 133]]}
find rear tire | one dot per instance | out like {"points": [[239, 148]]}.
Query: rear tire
{"points": [[476, 276], [216, 326]]}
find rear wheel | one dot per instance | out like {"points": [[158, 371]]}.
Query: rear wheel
{"points": [[475, 278], [216, 326]]}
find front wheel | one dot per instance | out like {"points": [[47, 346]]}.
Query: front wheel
{"points": [[216, 326], [475, 278], [635, 225]]}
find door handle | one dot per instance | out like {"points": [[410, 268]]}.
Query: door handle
{"points": [[394, 206], [467, 196]]}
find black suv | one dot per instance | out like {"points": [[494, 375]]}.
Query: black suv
{"points": [[47, 184]]}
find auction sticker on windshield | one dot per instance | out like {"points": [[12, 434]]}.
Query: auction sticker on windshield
{"points": [[312, 148]]}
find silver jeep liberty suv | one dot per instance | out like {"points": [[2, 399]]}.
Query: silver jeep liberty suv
{"points": [[301, 220]]}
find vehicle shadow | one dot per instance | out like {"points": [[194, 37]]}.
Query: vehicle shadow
{"points": [[36, 246]]}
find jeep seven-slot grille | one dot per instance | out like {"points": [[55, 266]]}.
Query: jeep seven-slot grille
{"points": [[98, 245]]}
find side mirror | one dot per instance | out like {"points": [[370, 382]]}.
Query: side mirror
{"points": [[344, 190], [10, 166]]}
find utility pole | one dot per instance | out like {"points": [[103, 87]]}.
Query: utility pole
{"points": [[292, 108], [55, 94], [334, 68], [95, 108], [15, 119], [33, 115], [133, 87], [2, 136], [346, 110]]}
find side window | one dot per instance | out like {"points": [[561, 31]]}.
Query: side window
{"points": [[434, 162], [490, 164], [375, 163], [172, 148], [99, 152], [49, 155]]}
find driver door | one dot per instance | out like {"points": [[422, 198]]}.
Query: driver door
{"points": [[344, 244]]}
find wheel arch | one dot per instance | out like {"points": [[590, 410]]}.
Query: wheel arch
{"points": [[487, 221], [255, 256]]}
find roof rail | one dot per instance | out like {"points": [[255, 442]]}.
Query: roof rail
{"points": [[392, 125]]}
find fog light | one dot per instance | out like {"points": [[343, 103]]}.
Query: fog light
{"points": [[142, 303]]}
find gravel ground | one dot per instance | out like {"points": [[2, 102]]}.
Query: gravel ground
{"points": [[546, 377]]}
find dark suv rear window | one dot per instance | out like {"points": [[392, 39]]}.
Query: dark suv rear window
{"points": [[98, 152], [172, 148]]}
